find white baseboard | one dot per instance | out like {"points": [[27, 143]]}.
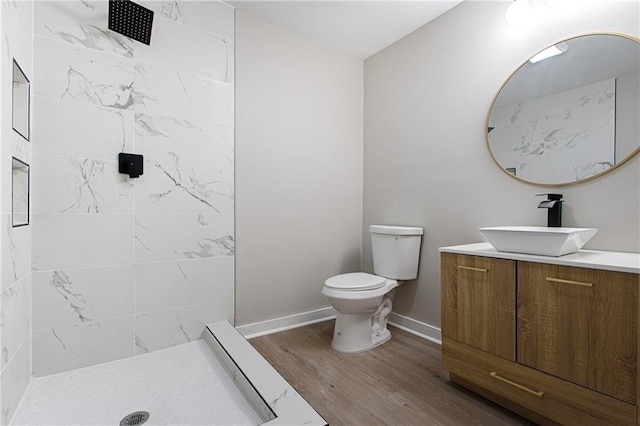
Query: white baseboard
{"points": [[418, 328], [285, 323], [262, 328]]}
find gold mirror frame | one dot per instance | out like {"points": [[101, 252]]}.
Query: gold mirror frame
{"points": [[487, 120]]}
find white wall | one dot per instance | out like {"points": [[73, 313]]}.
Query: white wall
{"points": [[15, 243], [121, 266], [298, 169], [425, 159]]}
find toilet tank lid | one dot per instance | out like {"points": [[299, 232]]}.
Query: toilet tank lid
{"points": [[395, 230], [355, 281]]}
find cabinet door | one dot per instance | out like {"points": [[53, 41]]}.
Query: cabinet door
{"points": [[581, 325], [478, 303]]}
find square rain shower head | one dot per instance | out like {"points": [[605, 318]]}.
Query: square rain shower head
{"points": [[131, 19]]}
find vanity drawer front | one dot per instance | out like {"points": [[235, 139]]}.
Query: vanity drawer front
{"points": [[478, 309], [581, 325], [534, 391]]}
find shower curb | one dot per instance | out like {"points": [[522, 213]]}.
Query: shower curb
{"points": [[273, 398]]}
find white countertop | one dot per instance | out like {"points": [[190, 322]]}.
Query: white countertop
{"points": [[595, 259]]}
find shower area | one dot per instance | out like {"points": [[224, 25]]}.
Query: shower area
{"points": [[101, 264]]}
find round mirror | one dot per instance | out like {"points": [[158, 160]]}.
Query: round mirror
{"points": [[570, 113]]}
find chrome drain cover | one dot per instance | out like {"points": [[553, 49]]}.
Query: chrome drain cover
{"points": [[135, 419]]}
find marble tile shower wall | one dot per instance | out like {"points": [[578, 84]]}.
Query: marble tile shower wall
{"points": [[15, 243], [124, 266]]}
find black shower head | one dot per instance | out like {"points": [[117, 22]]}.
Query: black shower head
{"points": [[131, 19]]}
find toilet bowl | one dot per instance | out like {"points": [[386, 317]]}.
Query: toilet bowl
{"points": [[361, 318], [363, 301]]}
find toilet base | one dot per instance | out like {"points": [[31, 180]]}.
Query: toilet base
{"points": [[352, 333]]}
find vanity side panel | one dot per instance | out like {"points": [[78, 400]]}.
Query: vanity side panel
{"points": [[478, 309], [580, 324]]}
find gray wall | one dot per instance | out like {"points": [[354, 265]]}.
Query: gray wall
{"points": [[425, 159], [627, 113], [298, 169]]}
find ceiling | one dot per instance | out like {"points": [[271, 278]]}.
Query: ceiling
{"points": [[359, 26]]}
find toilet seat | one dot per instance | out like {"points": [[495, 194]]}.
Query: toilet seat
{"points": [[355, 281]]}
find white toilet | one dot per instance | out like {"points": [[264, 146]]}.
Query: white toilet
{"points": [[363, 301]]}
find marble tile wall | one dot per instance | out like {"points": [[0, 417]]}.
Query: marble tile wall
{"points": [[15, 243], [125, 266]]}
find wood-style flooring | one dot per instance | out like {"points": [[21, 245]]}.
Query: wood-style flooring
{"points": [[401, 382]]}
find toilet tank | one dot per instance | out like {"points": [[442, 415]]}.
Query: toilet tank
{"points": [[396, 251]]}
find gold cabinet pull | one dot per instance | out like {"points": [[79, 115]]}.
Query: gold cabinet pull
{"points": [[561, 281], [516, 385], [471, 268]]}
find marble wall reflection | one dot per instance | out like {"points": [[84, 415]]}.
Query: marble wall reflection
{"points": [[126, 266], [562, 137]]}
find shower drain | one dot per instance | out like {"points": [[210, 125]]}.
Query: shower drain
{"points": [[135, 419]]}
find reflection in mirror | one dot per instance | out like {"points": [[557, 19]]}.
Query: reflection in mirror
{"points": [[20, 192], [20, 119], [572, 116]]}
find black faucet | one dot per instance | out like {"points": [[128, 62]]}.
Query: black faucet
{"points": [[554, 205]]}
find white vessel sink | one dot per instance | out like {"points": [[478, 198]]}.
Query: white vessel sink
{"points": [[537, 239]]}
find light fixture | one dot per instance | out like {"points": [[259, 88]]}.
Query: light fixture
{"points": [[518, 13], [554, 50], [560, 3]]}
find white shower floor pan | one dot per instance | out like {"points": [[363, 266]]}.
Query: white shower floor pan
{"points": [[221, 380]]}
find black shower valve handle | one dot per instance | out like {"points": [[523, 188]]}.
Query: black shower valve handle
{"points": [[130, 164]]}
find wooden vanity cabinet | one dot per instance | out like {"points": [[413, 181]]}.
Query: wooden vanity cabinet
{"points": [[477, 303], [580, 325], [557, 344]]}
